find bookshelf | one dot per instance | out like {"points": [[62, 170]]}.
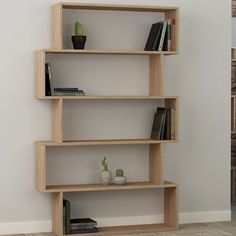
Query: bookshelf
{"points": [[156, 93]]}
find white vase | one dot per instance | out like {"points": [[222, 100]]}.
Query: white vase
{"points": [[120, 180], [105, 177]]}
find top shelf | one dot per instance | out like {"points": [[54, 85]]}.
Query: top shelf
{"points": [[116, 7]]}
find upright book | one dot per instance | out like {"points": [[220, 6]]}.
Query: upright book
{"points": [[48, 79]]}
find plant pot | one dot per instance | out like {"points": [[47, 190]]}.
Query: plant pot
{"points": [[105, 177], [78, 41], [120, 180]]}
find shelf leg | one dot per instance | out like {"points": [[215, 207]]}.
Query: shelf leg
{"points": [[57, 118], [156, 66], [57, 213], [171, 207], [156, 163]]}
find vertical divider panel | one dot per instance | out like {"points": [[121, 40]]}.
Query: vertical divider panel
{"points": [[174, 104], [41, 166], [174, 14], [57, 213], [156, 163], [156, 75], [57, 120], [39, 73], [171, 207], [57, 32]]}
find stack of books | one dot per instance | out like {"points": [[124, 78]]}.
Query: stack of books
{"points": [[163, 127], [83, 225], [161, 36], [68, 92]]}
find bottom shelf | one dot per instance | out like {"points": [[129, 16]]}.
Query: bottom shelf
{"points": [[131, 229]]}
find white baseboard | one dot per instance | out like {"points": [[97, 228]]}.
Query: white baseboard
{"points": [[185, 218]]}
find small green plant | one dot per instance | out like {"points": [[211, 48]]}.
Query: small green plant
{"points": [[104, 164], [119, 172], [79, 29]]}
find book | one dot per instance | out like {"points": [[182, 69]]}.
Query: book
{"points": [[152, 39], [48, 79], [68, 93], [66, 216], [163, 125], [172, 127], [172, 42], [167, 40], [67, 89], [163, 34], [157, 123], [83, 222], [81, 231]]}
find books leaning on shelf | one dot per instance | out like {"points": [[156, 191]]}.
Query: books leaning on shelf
{"points": [[68, 92], [66, 216], [83, 225], [161, 36], [163, 127]]}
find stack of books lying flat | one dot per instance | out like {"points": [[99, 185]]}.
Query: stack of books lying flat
{"points": [[83, 225], [68, 92]]}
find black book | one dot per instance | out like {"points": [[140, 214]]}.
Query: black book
{"points": [[66, 216], [158, 123], [48, 79], [163, 125], [81, 231], [83, 221], [154, 37], [67, 89]]}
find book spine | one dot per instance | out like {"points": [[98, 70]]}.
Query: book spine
{"points": [[172, 127], [163, 33], [172, 47], [169, 35]]}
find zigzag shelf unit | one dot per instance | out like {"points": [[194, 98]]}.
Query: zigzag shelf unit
{"points": [[156, 93]]}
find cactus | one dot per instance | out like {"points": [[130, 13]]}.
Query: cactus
{"points": [[79, 29], [104, 164], [119, 172]]}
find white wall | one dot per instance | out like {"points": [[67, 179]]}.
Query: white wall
{"points": [[200, 163]]}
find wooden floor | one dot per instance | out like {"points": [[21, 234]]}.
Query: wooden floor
{"points": [[201, 229]]}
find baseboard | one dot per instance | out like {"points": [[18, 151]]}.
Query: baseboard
{"points": [[185, 218]]}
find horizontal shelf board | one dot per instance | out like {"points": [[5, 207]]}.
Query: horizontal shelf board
{"points": [[130, 229], [116, 7], [100, 187], [105, 142], [109, 97], [108, 52]]}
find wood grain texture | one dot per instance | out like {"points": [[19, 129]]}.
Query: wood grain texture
{"points": [[57, 30], [156, 67], [39, 73], [57, 213], [171, 207], [57, 120], [41, 167], [104, 142], [156, 163], [110, 187]]}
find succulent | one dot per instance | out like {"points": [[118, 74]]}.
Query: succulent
{"points": [[119, 172], [79, 29], [104, 164]]}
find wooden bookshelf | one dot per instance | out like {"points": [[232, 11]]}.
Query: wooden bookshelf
{"points": [[156, 92]]}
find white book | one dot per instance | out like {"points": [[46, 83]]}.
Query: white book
{"points": [[163, 33]]}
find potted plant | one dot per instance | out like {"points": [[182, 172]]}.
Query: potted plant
{"points": [[79, 38], [105, 174], [120, 178]]}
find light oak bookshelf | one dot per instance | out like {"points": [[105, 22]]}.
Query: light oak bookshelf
{"points": [[156, 92]]}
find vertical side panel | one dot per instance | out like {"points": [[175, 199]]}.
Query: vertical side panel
{"points": [[156, 75], [40, 73], [174, 104], [57, 213], [56, 37], [174, 14], [41, 167], [57, 120], [171, 207], [156, 163]]}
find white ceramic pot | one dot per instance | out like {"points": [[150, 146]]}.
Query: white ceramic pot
{"points": [[105, 177], [120, 180]]}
